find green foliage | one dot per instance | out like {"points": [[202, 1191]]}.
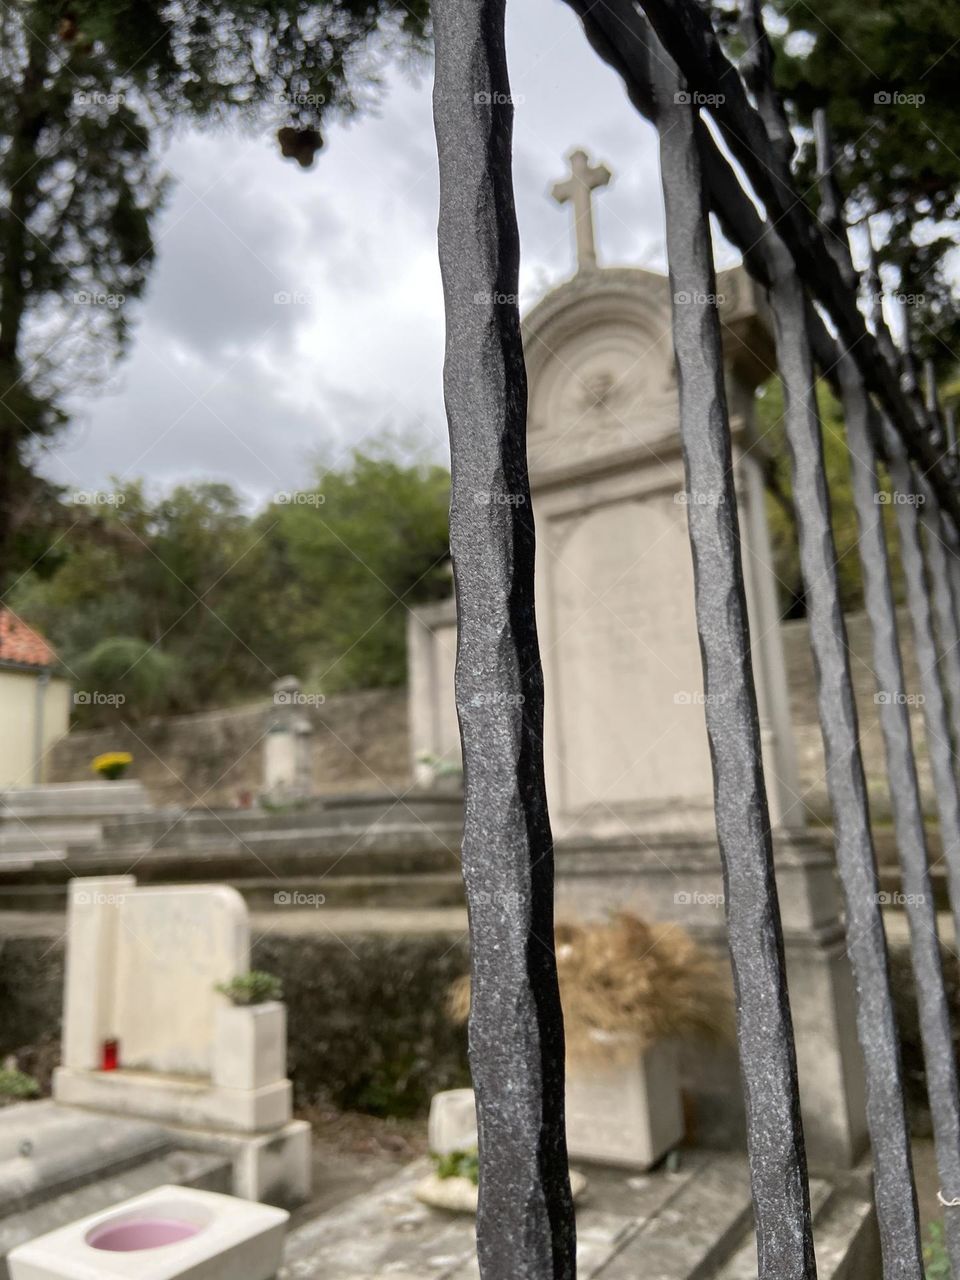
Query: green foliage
{"points": [[207, 605], [255, 987], [373, 541], [87, 91], [935, 1258], [781, 515], [884, 73], [17, 1086], [132, 669], [457, 1164]]}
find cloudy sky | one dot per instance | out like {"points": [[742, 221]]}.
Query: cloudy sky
{"points": [[223, 382]]}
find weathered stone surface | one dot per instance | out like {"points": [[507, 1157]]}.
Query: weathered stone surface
{"points": [[670, 1225]]}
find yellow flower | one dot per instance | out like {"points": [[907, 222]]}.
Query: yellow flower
{"points": [[112, 763]]}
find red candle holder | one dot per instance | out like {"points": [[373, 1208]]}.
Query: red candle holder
{"points": [[111, 1055]]}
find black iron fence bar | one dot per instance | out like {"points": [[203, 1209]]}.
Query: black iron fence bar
{"points": [[942, 1082], [945, 611], [862, 427], [525, 1223], [856, 857], [908, 495], [615, 28], [686, 33], [765, 1033], [625, 49], [907, 806], [856, 860]]}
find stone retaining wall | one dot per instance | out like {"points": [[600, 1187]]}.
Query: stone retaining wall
{"points": [[361, 740], [359, 744]]}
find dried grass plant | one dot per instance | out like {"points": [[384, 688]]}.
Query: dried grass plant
{"points": [[625, 975]]}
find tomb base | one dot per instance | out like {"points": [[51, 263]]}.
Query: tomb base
{"points": [[175, 1100], [677, 879]]}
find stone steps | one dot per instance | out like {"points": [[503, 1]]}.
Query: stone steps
{"points": [[47, 1149], [692, 1224], [184, 1168]]}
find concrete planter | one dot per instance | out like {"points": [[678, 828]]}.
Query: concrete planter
{"points": [[166, 1234], [623, 1102], [249, 1045]]}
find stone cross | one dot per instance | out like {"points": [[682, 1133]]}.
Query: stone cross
{"points": [[578, 188]]}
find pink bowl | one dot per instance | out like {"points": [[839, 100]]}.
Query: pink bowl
{"points": [[141, 1233]]}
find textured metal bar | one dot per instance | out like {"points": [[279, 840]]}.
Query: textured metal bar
{"points": [[684, 28], [936, 715], [525, 1224], [890, 1135], [764, 1028], [944, 607], [866, 942], [942, 1084]]}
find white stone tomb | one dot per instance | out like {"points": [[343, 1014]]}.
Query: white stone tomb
{"points": [[142, 969]]}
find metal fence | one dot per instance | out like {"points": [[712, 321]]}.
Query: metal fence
{"points": [[675, 73]]}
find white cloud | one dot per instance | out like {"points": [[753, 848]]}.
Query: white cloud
{"points": [[223, 382]]}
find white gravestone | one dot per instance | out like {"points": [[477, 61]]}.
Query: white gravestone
{"points": [[142, 969], [625, 739], [626, 756]]}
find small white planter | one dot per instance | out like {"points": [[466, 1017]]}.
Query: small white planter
{"points": [[453, 1122], [173, 1233], [624, 1105], [249, 1045]]}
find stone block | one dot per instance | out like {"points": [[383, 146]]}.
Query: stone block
{"points": [[453, 1121], [249, 1045], [623, 1103], [177, 1233]]}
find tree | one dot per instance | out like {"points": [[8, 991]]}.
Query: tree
{"points": [[186, 601], [87, 87], [362, 544], [774, 450], [884, 73]]}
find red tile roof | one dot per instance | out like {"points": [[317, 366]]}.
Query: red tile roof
{"points": [[22, 645]]}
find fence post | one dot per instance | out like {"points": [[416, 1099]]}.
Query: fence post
{"points": [[525, 1224], [764, 1028]]}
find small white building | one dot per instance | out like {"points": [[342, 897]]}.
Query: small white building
{"points": [[35, 701]]}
